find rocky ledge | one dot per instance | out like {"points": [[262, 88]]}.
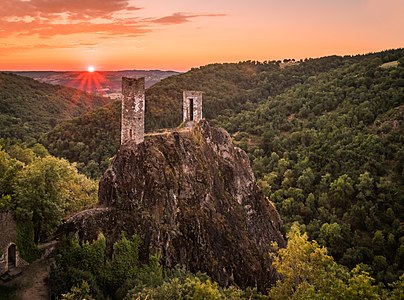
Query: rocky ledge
{"points": [[192, 197]]}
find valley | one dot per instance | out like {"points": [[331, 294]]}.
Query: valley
{"points": [[102, 83], [324, 138]]}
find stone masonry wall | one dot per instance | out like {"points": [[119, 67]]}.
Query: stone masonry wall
{"points": [[8, 236], [197, 107], [133, 108]]}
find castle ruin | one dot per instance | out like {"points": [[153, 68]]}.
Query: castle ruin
{"points": [[133, 109], [192, 107], [133, 106]]}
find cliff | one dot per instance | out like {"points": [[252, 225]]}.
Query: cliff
{"points": [[191, 196]]}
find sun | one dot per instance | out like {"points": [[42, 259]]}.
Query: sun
{"points": [[90, 80]]}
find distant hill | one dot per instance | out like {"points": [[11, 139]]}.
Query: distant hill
{"points": [[29, 108], [105, 83]]}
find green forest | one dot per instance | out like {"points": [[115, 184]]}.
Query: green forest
{"points": [[308, 273], [29, 108], [325, 140]]}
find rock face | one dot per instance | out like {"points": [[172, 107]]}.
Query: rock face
{"points": [[191, 196]]}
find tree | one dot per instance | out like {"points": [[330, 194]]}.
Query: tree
{"points": [[360, 286], [341, 190], [331, 235], [397, 291], [190, 287], [308, 272], [47, 189], [305, 181], [9, 167], [79, 292], [378, 242], [365, 186]]}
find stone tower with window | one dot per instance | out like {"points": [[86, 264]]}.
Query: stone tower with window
{"points": [[192, 107], [133, 109]]}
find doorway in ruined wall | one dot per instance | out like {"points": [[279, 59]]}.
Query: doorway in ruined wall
{"points": [[12, 256], [191, 109]]}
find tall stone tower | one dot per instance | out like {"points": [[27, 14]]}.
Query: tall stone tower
{"points": [[133, 108], [192, 107]]}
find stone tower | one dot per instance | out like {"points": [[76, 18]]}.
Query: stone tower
{"points": [[133, 108], [192, 107]]}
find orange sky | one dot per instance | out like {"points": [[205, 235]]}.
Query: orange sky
{"points": [[180, 34]]}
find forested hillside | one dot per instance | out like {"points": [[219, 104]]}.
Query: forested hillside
{"points": [[228, 89], [325, 137], [90, 140], [29, 108], [330, 152]]}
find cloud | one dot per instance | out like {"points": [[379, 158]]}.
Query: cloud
{"points": [[179, 18], [6, 48], [106, 18], [12, 48], [74, 8], [47, 18], [45, 29], [87, 44]]}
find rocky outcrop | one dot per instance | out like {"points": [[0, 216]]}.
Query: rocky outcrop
{"points": [[191, 196]]}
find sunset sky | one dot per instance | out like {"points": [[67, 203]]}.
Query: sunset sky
{"points": [[180, 34]]}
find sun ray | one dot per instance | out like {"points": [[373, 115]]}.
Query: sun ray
{"points": [[92, 83]]}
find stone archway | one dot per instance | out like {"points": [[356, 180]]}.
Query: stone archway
{"points": [[12, 256]]}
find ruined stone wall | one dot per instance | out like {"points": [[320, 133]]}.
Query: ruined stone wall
{"points": [[192, 113], [8, 236], [133, 108]]}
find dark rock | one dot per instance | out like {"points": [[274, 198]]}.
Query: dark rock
{"points": [[192, 197]]}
